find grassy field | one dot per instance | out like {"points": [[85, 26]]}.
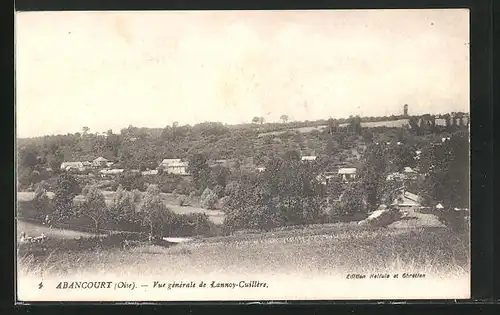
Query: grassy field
{"points": [[333, 248]]}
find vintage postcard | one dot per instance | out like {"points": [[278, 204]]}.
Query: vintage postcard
{"points": [[242, 155]]}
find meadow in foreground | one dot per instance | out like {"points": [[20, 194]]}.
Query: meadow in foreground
{"points": [[325, 249]]}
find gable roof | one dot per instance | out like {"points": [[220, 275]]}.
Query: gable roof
{"points": [[409, 170], [100, 159], [169, 161]]}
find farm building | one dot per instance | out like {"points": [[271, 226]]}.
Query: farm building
{"points": [[347, 173], [66, 166], [410, 172], [99, 162], [326, 177], [111, 172], [396, 176], [166, 162], [407, 199], [260, 169], [179, 168], [309, 158], [175, 166]]}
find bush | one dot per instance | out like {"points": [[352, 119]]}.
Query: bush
{"points": [[137, 195], [223, 203], [183, 187], [191, 224], [219, 191], [169, 182], [455, 220], [131, 181], [231, 187], [208, 199]]}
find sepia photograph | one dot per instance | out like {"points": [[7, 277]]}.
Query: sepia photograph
{"points": [[262, 155]]}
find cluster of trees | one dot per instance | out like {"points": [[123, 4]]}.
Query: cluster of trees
{"points": [[446, 169], [128, 210], [286, 193]]}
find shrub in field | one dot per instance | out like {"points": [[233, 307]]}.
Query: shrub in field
{"points": [[223, 203], [94, 207], [156, 216], [191, 224], [131, 181], [454, 219], [66, 189], [231, 187], [219, 191], [137, 195], [352, 202], [182, 201], [122, 209], [183, 187], [169, 182], [208, 199], [201, 223]]}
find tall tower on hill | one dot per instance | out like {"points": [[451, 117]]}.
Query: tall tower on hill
{"points": [[405, 110]]}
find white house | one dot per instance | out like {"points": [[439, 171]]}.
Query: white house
{"points": [[260, 169], [309, 158], [179, 168], [66, 166], [347, 173], [166, 162]]}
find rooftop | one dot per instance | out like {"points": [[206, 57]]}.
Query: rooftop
{"points": [[177, 164]]}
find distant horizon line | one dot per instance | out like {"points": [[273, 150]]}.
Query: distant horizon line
{"points": [[278, 121]]}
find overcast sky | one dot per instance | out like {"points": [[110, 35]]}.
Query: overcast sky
{"points": [[108, 70]]}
